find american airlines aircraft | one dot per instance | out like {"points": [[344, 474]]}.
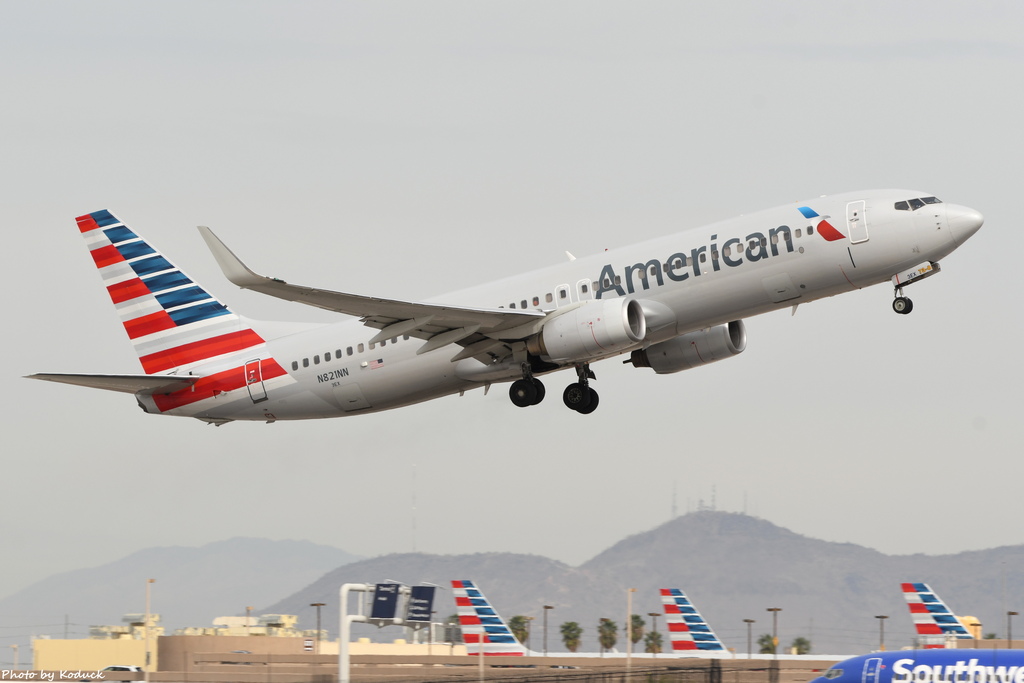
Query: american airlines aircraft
{"points": [[671, 303], [934, 622], [687, 629], [929, 666]]}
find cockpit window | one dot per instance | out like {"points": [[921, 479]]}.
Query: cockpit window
{"points": [[833, 673], [915, 204]]}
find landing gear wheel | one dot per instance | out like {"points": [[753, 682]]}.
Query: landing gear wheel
{"points": [[541, 391], [523, 392], [578, 396], [594, 400], [902, 305]]}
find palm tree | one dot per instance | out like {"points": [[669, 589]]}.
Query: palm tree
{"points": [[607, 634], [517, 625], [571, 633], [637, 624], [767, 644], [800, 646], [652, 642]]}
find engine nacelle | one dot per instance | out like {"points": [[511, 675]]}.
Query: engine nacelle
{"points": [[595, 329], [692, 349]]}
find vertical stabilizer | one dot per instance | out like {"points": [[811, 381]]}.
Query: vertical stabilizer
{"points": [[686, 627], [173, 323], [482, 627], [933, 620]]}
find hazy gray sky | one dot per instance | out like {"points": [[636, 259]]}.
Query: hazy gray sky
{"points": [[413, 148]]}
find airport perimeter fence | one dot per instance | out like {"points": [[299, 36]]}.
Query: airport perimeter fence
{"points": [[713, 672]]}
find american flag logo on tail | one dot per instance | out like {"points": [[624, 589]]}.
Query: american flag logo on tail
{"points": [[687, 628]]}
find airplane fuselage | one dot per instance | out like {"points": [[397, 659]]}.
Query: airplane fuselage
{"points": [[688, 281]]}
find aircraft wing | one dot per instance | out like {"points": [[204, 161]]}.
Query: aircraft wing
{"points": [[479, 329], [129, 384]]}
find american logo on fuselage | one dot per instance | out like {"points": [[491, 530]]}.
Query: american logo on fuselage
{"points": [[681, 265]]}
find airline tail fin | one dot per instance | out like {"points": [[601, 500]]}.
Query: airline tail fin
{"points": [[932, 618], [173, 323], [482, 627], [687, 628]]}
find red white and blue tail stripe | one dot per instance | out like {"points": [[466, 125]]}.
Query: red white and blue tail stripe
{"points": [[174, 324], [482, 628], [933, 620], [687, 628]]}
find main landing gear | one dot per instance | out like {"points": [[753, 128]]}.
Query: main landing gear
{"points": [[902, 304], [578, 396]]}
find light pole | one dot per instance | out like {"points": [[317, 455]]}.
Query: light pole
{"points": [[318, 605], [881, 631], [654, 628], [629, 629], [546, 608], [1009, 629], [750, 641], [775, 630], [149, 584], [248, 611]]}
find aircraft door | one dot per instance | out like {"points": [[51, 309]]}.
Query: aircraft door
{"points": [[254, 380], [584, 290], [871, 669], [857, 222]]}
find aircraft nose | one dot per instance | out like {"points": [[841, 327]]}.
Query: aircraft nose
{"points": [[963, 222]]}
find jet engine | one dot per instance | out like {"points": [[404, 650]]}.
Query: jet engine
{"points": [[692, 349], [597, 328]]}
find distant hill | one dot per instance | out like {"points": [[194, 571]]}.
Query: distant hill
{"points": [[193, 585], [733, 566]]}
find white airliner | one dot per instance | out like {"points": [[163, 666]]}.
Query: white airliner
{"points": [[671, 303]]}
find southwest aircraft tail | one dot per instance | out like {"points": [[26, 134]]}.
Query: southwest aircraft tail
{"points": [[687, 628], [483, 630], [933, 620]]}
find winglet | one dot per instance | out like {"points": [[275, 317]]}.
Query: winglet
{"points": [[234, 270]]}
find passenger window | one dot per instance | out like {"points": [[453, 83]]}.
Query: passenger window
{"points": [[562, 294], [654, 271], [360, 347], [764, 242], [916, 204], [703, 257], [295, 365], [384, 342], [372, 346], [405, 337], [775, 238], [584, 289], [348, 351], [511, 305], [714, 255], [394, 340], [726, 252], [618, 280], [548, 298], [316, 360], [338, 354], [536, 301], [810, 229], [305, 362], [523, 302], [798, 233], [327, 355]]}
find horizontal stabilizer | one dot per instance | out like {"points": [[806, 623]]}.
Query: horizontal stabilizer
{"points": [[129, 384]]}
